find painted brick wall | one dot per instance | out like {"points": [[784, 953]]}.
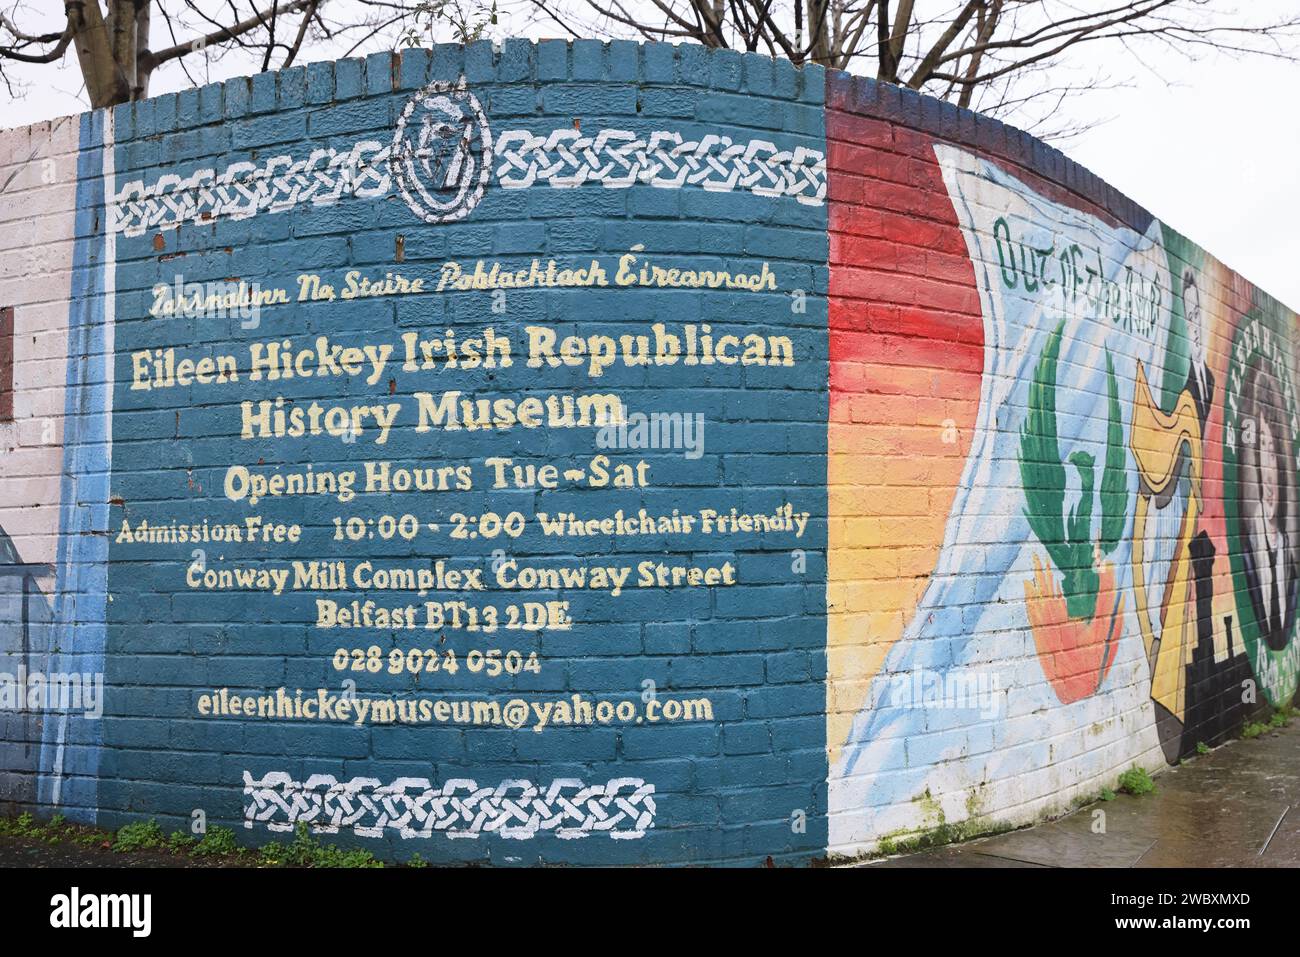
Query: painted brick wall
{"points": [[976, 484], [1044, 474]]}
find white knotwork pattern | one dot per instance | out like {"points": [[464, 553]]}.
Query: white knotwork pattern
{"points": [[618, 159], [245, 189], [622, 808], [562, 159]]}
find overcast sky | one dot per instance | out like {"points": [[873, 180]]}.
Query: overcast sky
{"points": [[1211, 147], [1215, 153]]}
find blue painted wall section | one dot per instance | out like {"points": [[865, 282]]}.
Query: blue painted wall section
{"points": [[742, 781]]}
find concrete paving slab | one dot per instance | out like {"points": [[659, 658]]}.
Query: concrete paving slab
{"points": [[1238, 806]]}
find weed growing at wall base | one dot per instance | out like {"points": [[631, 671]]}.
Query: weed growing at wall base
{"points": [[216, 848], [1136, 781]]}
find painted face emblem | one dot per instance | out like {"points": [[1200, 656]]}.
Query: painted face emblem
{"points": [[1261, 457], [442, 152]]}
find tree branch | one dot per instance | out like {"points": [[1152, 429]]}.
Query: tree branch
{"points": [[151, 60], [302, 34], [931, 60], [61, 42]]}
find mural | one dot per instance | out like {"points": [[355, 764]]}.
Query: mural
{"points": [[26, 617], [406, 501], [568, 453], [441, 157], [54, 469], [1117, 555], [1260, 452]]}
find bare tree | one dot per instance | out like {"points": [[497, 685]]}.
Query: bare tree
{"points": [[1012, 58], [112, 38], [997, 56]]}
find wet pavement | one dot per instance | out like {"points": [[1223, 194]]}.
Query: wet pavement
{"points": [[1238, 806]]}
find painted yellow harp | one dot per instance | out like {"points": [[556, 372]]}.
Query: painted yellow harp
{"points": [[1161, 443]]}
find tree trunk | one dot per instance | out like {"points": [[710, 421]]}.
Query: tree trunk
{"points": [[106, 83], [140, 88]]}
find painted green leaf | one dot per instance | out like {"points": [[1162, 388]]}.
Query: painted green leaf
{"points": [[1042, 473], [1114, 480]]}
